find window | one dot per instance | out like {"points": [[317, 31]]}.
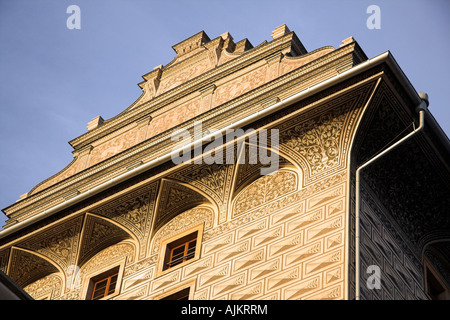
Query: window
{"points": [[103, 285], [180, 295], [180, 250]]}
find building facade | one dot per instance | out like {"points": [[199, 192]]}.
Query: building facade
{"points": [[233, 176]]}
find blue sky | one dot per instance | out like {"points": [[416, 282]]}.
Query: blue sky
{"points": [[54, 80]]}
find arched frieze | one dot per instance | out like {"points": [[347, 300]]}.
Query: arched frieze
{"points": [[432, 237], [124, 250], [213, 179], [58, 242], [134, 211], [246, 172], [26, 267], [319, 140], [174, 198], [100, 233], [47, 288], [118, 255], [316, 141], [265, 189], [200, 214]]}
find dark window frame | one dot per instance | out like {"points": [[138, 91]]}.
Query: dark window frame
{"points": [[181, 250], [179, 295], [111, 277]]}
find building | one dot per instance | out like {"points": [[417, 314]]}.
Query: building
{"points": [[265, 204]]}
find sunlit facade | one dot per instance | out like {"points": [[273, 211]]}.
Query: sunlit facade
{"points": [[266, 216]]}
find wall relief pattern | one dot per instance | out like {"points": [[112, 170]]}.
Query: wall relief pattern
{"points": [[294, 235], [98, 234], [122, 250], [175, 198], [27, 267], [406, 181], [183, 221], [134, 210], [383, 245], [265, 189], [45, 288], [239, 86], [258, 255], [58, 242], [320, 141]]}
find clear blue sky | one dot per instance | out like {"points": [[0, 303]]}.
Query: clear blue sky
{"points": [[53, 80]]}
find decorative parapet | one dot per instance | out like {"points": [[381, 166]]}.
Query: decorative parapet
{"points": [[280, 31], [96, 122], [191, 44]]}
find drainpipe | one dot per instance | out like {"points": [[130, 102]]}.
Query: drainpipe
{"points": [[421, 109]]}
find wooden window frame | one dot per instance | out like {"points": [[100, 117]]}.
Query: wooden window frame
{"points": [[182, 294], [108, 273], [177, 240], [172, 259], [107, 289], [173, 292]]}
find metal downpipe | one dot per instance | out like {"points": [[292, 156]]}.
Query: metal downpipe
{"points": [[421, 108]]}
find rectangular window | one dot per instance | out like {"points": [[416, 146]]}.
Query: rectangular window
{"points": [[180, 295], [180, 250], [103, 284]]}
